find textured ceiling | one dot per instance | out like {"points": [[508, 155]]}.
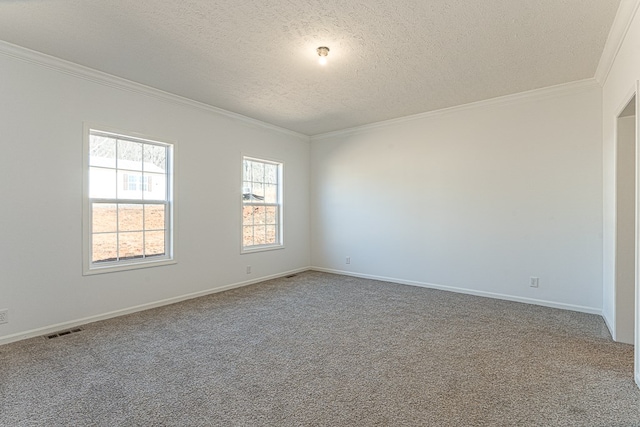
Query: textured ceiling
{"points": [[388, 59]]}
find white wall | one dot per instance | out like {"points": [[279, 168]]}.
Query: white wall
{"points": [[41, 128], [478, 199], [619, 86], [625, 267]]}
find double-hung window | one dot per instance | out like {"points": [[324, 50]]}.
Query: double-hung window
{"points": [[128, 202], [261, 204]]}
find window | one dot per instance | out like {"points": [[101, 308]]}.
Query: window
{"points": [[261, 205], [136, 182], [128, 202]]}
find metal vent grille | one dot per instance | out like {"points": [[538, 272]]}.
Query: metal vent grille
{"points": [[63, 333]]}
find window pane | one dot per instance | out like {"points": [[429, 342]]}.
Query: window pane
{"points": [[154, 186], [271, 193], [246, 170], [259, 235], [154, 217], [247, 215], [272, 235], [102, 151], [104, 218], [129, 155], [131, 245], [104, 247], [271, 174], [154, 243], [272, 215], [130, 218], [102, 183], [257, 192], [252, 193], [130, 185], [247, 236], [257, 170], [246, 190], [155, 158], [259, 215]]}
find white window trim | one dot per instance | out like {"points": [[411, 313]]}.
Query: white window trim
{"points": [[90, 268], [263, 248]]}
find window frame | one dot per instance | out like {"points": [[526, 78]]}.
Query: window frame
{"points": [[280, 204], [169, 257]]}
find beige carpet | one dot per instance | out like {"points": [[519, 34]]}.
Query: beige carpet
{"points": [[326, 350]]}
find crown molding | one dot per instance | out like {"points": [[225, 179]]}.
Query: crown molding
{"points": [[95, 76], [547, 92], [621, 24]]}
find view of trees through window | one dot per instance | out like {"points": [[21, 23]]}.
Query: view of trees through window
{"points": [[260, 203]]}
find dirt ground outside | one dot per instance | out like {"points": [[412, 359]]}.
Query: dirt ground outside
{"points": [[122, 231], [260, 225]]}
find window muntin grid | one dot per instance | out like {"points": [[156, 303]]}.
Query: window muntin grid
{"points": [[261, 204], [129, 200]]}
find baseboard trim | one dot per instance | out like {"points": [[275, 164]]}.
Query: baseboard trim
{"points": [[544, 303], [638, 380], [612, 330], [70, 324], [74, 323]]}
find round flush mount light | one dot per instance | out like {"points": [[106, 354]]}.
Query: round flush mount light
{"points": [[323, 51]]}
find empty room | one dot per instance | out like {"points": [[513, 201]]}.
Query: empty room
{"points": [[338, 213]]}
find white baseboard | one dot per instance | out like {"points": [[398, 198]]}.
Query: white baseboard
{"points": [[552, 304], [638, 379], [74, 323], [609, 324]]}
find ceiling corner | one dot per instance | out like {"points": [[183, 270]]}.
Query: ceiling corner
{"points": [[621, 23]]}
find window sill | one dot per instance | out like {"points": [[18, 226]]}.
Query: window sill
{"points": [[261, 249], [125, 267]]}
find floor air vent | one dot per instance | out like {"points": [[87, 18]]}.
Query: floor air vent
{"points": [[290, 276], [62, 333]]}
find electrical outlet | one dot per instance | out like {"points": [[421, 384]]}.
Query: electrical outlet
{"points": [[4, 316], [348, 261], [534, 281], [248, 269]]}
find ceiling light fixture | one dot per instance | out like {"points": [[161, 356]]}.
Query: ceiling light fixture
{"points": [[323, 51]]}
